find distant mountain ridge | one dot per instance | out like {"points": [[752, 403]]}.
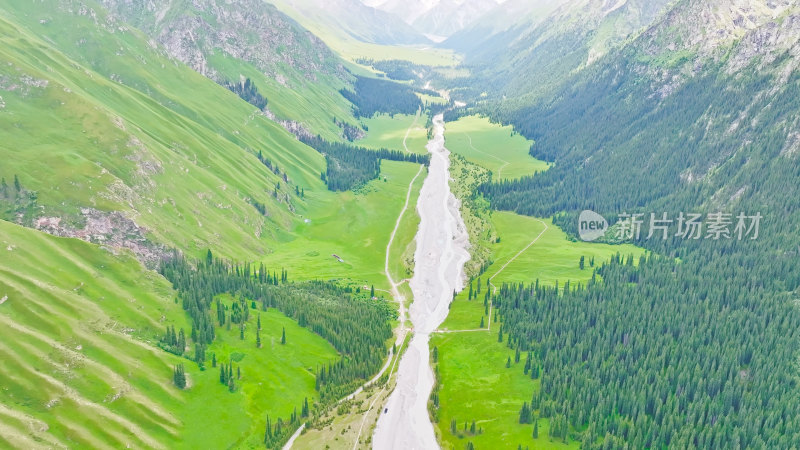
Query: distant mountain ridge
{"points": [[440, 18], [363, 22]]}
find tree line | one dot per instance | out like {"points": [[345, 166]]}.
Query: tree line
{"points": [[656, 356], [348, 166], [355, 325]]}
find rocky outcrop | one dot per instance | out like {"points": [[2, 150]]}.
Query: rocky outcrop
{"points": [[112, 230], [248, 30]]}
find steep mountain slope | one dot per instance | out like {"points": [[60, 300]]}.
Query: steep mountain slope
{"points": [[662, 92], [407, 10], [525, 49], [77, 343], [133, 145], [360, 21], [355, 31], [299, 76], [450, 16], [697, 115], [108, 138]]}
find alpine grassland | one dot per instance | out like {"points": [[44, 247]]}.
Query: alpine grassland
{"points": [[495, 147], [402, 132]]}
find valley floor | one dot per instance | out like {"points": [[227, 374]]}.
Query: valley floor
{"points": [[442, 243]]}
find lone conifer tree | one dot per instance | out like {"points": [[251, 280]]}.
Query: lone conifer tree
{"points": [[283, 336], [179, 376]]}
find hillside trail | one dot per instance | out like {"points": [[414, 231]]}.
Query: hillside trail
{"points": [[408, 131], [500, 170], [441, 253]]}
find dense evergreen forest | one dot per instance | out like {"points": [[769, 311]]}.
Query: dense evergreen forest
{"points": [[697, 348], [657, 356], [373, 95], [349, 167], [353, 323]]}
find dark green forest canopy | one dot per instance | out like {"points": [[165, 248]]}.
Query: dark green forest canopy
{"points": [[372, 96], [695, 348]]}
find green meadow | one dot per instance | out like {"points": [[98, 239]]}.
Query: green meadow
{"points": [[355, 226], [385, 131], [276, 378], [477, 385], [497, 148]]}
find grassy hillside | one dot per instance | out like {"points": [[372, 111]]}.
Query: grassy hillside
{"points": [[82, 367], [169, 148], [297, 73], [166, 146]]}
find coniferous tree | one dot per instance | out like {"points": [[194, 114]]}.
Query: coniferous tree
{"points": [[268, 431], [179, 377], [181, 343], [283, 336], [17, 185]]}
